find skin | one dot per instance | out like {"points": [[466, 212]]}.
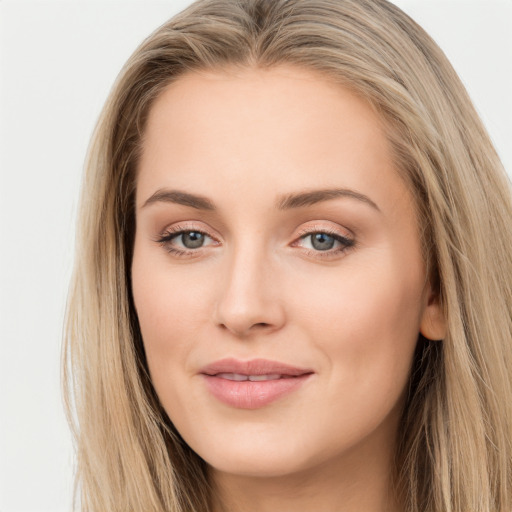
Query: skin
{"points": [[259, 288]]}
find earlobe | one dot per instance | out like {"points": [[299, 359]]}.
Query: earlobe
{"points": [[433, 321]]}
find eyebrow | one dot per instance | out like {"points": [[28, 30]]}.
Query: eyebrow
{"points": [[179, 197], [287, 202], [312, 197]]}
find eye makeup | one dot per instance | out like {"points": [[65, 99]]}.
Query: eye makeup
{"points": [[316, 241]]}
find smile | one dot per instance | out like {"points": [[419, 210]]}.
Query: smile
{"points": [[252, 384], [253, 378]]}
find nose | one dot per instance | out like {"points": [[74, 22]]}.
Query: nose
{"points": [[250, 299]]}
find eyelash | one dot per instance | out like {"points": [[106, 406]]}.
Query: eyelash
{"points": [[171, 233], [345, 242]]}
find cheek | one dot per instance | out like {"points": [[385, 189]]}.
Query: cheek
{"points": [[366, 321], [382, 298], [171, 308]]}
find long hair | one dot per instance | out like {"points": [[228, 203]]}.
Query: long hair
{"points": [[455, 440]]}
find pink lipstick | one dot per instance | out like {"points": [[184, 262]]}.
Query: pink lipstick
{"points": [[252, 384]]}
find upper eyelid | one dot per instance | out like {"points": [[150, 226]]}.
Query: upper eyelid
{"points": [[304, 232], [316, 228], [186, 226], [165, 238], [183, 228], [346, 241]]}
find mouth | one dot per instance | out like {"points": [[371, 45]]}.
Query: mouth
{"points": [[252, 384], [239, 377]]}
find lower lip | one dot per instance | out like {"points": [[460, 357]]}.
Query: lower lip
{"points": [[252, 395]]}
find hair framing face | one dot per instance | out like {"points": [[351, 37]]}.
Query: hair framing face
{"points": [[455, 449]]}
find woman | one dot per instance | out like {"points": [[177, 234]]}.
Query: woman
{"points": [[293, 281]]}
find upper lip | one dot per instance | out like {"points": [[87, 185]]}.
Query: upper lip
{"points": [[253, 367]]}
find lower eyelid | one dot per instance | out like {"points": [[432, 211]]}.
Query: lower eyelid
{"points": [[166, 238], [344, 244], [171, 236]]}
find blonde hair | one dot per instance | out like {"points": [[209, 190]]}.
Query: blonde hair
{"points": [[455, 448]]}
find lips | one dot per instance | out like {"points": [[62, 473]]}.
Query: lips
{"points": [[252, 384], [253, 378]]}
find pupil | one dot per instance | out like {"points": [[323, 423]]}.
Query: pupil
{"points": [[192, 239], [322, 242]]}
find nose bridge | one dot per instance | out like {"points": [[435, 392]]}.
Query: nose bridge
{"points": [[249, 298]]}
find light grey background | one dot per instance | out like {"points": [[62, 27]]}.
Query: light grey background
{"points": [[58, 60]]}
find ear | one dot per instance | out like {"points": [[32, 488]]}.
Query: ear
{"points": [[433, 321]]}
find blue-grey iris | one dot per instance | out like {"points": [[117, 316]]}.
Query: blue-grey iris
{"points": [[192, 239], [322, 241]]}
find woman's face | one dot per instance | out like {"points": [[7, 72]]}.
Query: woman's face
{"points": [[277, 272]]}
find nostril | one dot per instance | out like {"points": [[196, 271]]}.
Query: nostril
{"points": [[246, 331]]}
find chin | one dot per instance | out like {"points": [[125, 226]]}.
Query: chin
{"points": [[258, 466], [260, 456]]}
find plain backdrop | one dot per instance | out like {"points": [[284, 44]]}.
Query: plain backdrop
{"points": [[58, 60]]}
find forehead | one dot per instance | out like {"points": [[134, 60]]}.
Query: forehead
{"points": [[267, 129], [281, 101]]}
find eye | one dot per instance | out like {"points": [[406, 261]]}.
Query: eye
{"points": [[182, 242], [324, 243], [191, 239]]}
